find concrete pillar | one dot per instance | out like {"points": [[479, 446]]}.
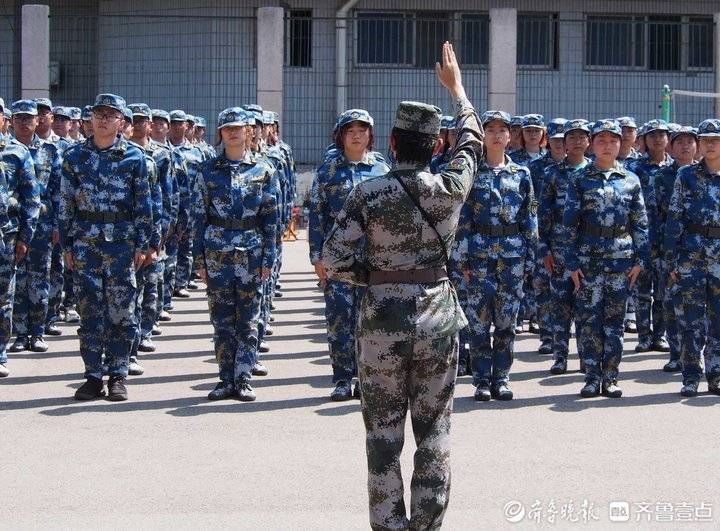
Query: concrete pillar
{"points": [[35, 52], [270, 50], [502, 70], [716, 44]]}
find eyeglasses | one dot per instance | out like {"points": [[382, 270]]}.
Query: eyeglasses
{"points": [[23, 117], [106, 116]]}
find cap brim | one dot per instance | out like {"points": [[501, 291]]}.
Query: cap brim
{"points": [[707, 135], [232, 124], [558, 135], [113, 107]]}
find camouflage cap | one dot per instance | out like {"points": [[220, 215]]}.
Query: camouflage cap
{"points": [[178, 115], [516, 121], [533, 120], [447, 122], [110, 100], [127, 114], [709, 128], [75, 113], [159, 113], [556, 128], [355, 115], [419, 117], [61, 112], [24, 107], [191, 119], [268, 118], [232, 116], [256, 111], [44, 102], [672, 127], [276, 117], [140, 109], [684, 130], [577, 124], [627, 121], [656, 125], [200, 122], [6, 112], [86, 113], [490, 116], [606, 125]]}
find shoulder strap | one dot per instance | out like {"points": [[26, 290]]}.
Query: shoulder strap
{"points": [[424, 215]]}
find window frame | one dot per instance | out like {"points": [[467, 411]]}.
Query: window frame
{"points": [[287, 51], [553, 44]]}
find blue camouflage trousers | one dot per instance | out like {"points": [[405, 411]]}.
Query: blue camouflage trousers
{"points": [[57, 279], [32, 285], [464, 333], [494, 296], [7, 292], [235, 292], [184, 261], [342, 301], [649, 311], [672, 329], [148, 299], [543, 301], [563, 308], [696, 296], [600, 320], [170, 271], [106, 289]]}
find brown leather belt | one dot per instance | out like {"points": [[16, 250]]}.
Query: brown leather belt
{"points": [[410, 276]]}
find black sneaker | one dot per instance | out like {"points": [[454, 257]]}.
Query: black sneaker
{"points": [[689, 389], [533, 327], [357, 392], [259, 369], [181, 293], [21, 343], [644, 344], [590, 389], [660, 345], [52, 329], [501, 392], [546, 347], [342, 391], [672, 366], [630, 326], [245, 393], [278, 295], [482, 392], [156, 331], [117, 392], [222, 391], [271, 319], [37, 344], [269, 331], [611, 389], [146, 345], [264, 347], [90, 390], [559, 367], [192, 285]]}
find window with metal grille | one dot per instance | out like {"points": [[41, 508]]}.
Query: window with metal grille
{"points": [[664, 43], [298, 38], [537, 40], [474, 39], [384, 39], [431, 30], [614, 41], [700, 53]]}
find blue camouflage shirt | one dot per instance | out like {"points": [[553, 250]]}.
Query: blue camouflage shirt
{"points": [[19, 194]]}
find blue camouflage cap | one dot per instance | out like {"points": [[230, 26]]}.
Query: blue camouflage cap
{"points": [[24, 107], [200, 122], [256, 111], [178, 115], [684, 130], [672, 127], [516, 121], [355, 115], [159, 113], [656, 125], [556, 128], [191, 119], [44, 102], [6, 112], [75, 113], [709, 128], [110, 100], [491, 116], [86, 113], [140, 109], [268, 118], [127, 114], [577, 124], [533, 120], [447, 122], [627, 121], [61, 111], [233, 116], [419, 117], [606, 125], [276, 117]]}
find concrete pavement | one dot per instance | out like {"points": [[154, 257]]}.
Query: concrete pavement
{"points": [[170, 459]]}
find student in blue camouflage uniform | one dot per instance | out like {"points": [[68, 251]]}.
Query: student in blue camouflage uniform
{"points": [[554, 240], [608, 247], [651, 285], [439, 161], [516, 141], [497, 235], [33, 274], [534, 140], [335, 179], [86, 121], [19, 211], [235, 220], [684, 149], [692, 251], [539, 299], [105, 226], [75, 125]]}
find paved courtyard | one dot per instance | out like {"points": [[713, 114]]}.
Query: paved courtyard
{"points": [[170, 459]]}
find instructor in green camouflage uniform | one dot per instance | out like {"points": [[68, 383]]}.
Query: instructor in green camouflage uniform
{"points": [[410, 316]]}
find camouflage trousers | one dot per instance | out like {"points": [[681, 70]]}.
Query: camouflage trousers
{"points": [[341, 306], [464, 333], [7, 292], [235, 292], [57, 280], [269, 292], [105, 287], [649, 312], [600, 320], [170, 271], [672, 329], [395, 376], [494, 296], [696, 296], [543, 301], [146, 300], [32, 286], [528, 304], [563, 308], [184, 261]]}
